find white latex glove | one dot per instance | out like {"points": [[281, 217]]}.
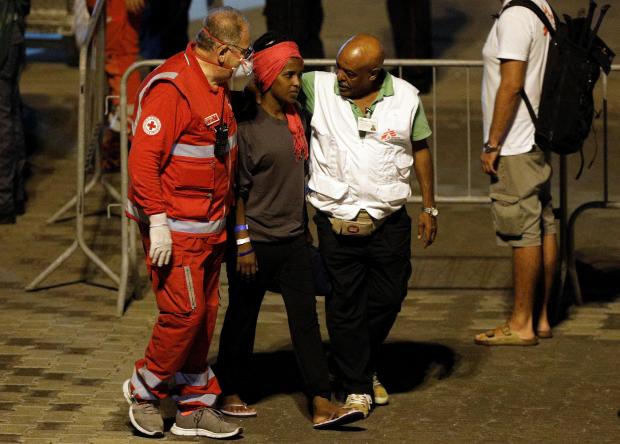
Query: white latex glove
{"points": [[161, 241]]}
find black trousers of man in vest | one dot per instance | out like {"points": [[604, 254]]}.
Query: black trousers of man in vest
{"points": [[369, 282]]}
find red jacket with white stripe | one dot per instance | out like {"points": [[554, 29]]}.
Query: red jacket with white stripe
{"points": [[172, 164]]}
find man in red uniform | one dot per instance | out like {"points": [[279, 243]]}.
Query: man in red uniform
{"points": [[181, 171]]}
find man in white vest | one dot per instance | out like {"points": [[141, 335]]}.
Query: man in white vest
{"points": [[368, 130]]}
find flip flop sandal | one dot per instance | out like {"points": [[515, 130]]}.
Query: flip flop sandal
{"points": [[504, 337], [244, 413], [346, 418]]}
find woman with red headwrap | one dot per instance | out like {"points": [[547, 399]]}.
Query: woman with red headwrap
{"points": [[271, 243]]}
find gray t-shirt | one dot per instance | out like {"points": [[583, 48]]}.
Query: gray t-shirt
{"points": [[271, 180]]}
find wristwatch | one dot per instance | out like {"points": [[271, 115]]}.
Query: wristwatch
{"points": [[489, 149], [433, 211]]}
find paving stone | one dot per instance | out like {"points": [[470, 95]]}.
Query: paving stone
{"points": [[105, 408], [8, 397], [54, 415], [74, 438], [107, 440], [15, 428], [12, 350], [37, 435], [80, 428], [6, 407], [609, 335], [39, 362], [18, 380], [67, 367]]}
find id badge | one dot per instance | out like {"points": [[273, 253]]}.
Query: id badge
{"points": [[367, 125]]}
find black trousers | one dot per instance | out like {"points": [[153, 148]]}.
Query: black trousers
{"points": [[412, 32], [163, 28], [12, 144], [285, 265], [299, 20], [369, 282]]}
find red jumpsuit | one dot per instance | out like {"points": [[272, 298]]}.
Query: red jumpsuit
{"points": [[173, 169]]}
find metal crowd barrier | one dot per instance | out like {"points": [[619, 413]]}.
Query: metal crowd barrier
{"points": [[434, 65], [92, 87], [129, 279], [571, 262], [91, 117], [568, 267], [130, 275]]}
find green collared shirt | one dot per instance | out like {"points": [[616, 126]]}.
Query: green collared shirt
{"points": [[420, 129]]}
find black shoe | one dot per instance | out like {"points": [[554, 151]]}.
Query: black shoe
{"points": [[6, 219]]}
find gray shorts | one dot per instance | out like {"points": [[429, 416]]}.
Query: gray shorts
{"points": [[521, 199]]}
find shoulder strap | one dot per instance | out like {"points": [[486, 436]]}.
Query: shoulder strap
{"points": [[529, 4], [528, 105]]}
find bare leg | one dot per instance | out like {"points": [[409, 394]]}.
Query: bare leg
{"points": [[550, 265], [527, 267]]}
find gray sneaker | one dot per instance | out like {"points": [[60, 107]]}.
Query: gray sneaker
{"points": [[144, 416], [204, 422]]}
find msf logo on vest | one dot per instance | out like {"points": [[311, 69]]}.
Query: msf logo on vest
{"points": [[389, 135]]}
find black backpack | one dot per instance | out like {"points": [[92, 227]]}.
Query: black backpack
{"points": [[576, 56]]}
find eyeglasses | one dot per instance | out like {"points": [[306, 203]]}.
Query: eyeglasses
{"points": [[246, 53]]}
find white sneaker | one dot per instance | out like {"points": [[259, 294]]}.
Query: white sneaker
{"points": [[204, 421], [359, 402], [144, 416], [380, 393]]}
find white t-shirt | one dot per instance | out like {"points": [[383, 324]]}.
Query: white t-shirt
{"points": [[517, 35]]}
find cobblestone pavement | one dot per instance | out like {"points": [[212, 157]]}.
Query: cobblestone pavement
{"points": [[64, 355]]}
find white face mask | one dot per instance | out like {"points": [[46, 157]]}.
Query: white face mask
{"points": [[241, 76]]}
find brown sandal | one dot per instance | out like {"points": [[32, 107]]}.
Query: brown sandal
{"points": [[503, 336], [238, 410]]}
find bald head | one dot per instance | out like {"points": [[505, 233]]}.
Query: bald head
{"points": [[360, 62], [364, 49]]}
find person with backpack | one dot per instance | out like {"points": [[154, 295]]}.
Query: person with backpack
{"points": [[515, 56]]}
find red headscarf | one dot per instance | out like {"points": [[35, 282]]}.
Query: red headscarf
{"points": [[268, 64]]}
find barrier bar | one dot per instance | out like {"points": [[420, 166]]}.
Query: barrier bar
{"points": [[90, 118]]}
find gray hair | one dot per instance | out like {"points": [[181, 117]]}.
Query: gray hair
{"points": [[225, 24]]}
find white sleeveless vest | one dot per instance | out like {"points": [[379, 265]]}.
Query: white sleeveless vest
{"points": [[348, 172]]}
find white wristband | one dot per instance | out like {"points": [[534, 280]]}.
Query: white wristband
{"points": [[242, 241]]}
